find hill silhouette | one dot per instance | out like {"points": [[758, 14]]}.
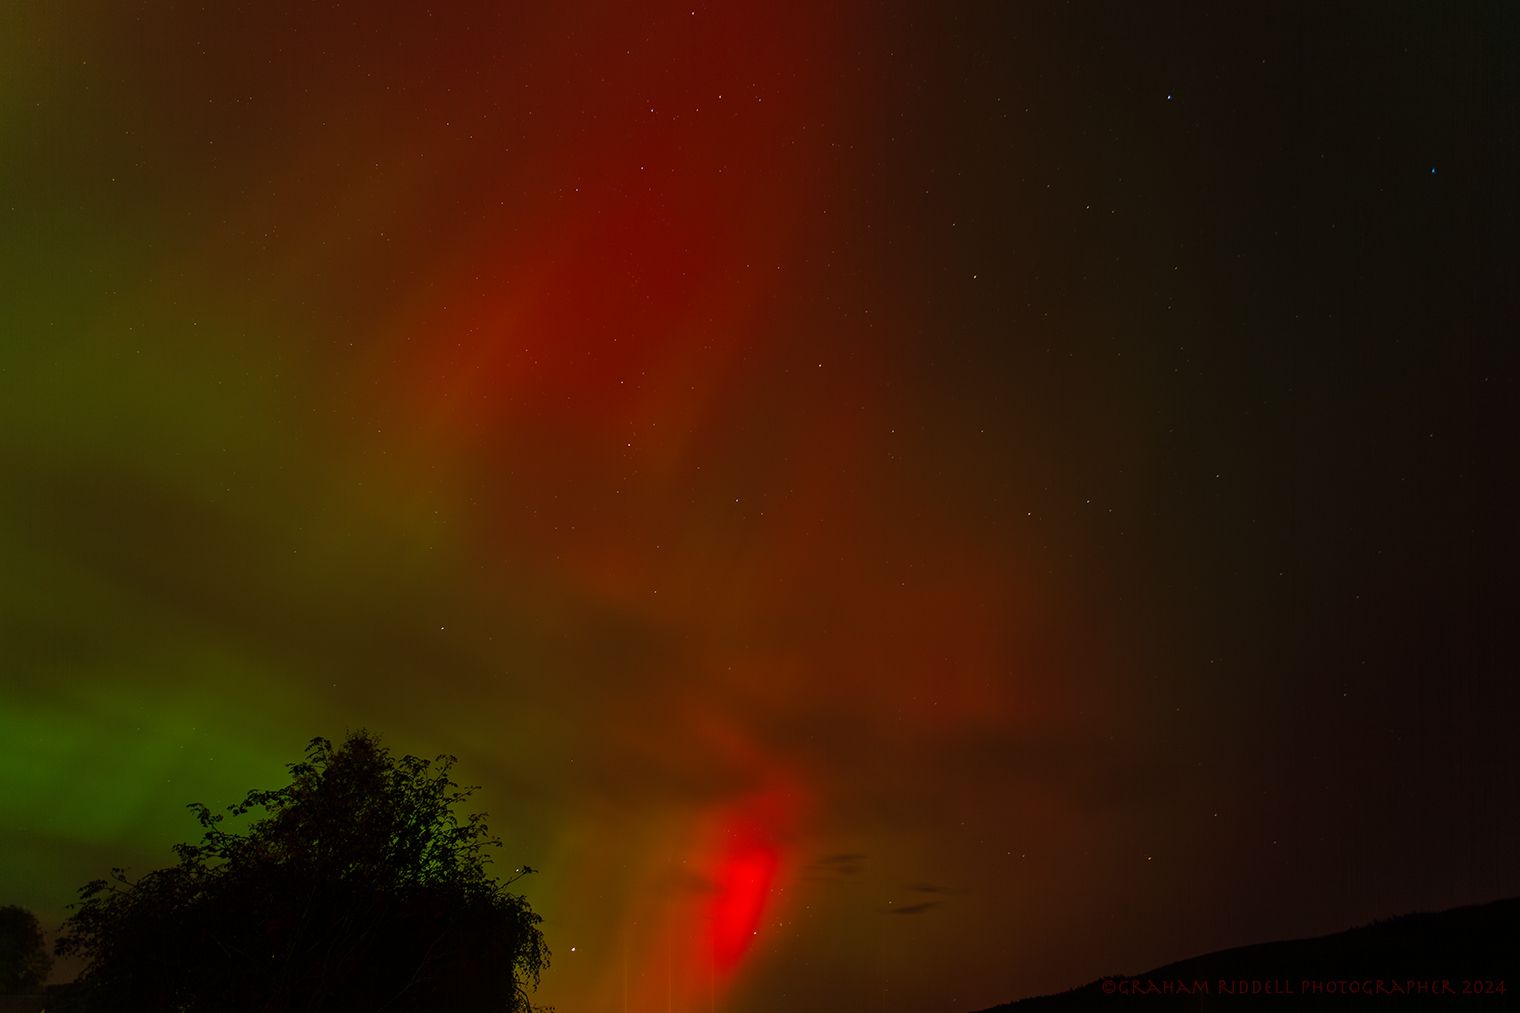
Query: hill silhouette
{"points": [[1468, 955]]}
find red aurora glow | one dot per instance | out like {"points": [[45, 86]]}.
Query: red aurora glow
{"points": [[744, 884]]}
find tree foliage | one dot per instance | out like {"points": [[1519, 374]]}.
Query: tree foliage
{"points": [[24, 960], [357, 888]]}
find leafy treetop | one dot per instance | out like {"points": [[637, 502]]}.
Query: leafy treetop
{"points": [[24, 960], [357, 888]]}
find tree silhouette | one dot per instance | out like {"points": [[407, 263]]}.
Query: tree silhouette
{"points": [[358, 888], [24, 960]]}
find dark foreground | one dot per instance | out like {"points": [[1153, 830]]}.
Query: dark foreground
{"points": [[1467, 956]]}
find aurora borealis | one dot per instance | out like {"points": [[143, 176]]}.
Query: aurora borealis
{"points": [[900, 507]]}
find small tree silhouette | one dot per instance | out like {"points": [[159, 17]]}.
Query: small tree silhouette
{"points": [[24, 960], [357, 889]]}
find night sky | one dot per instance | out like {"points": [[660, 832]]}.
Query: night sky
{"points": [[901, 507]]}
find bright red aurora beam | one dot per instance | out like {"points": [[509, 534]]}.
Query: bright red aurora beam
{"points": [[744, 883]]}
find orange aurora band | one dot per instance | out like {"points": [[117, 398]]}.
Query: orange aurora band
{"points": [[638, 347], [593, 338]]}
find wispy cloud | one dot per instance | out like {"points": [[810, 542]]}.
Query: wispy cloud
{"points": [[844, 864]]}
